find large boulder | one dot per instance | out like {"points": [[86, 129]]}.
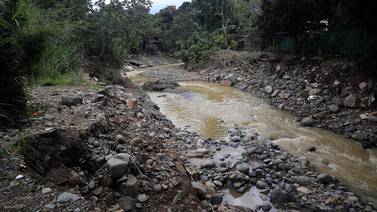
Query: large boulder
{"points": [[160, 85], [71, 100], [118, 164], [279, 195]]}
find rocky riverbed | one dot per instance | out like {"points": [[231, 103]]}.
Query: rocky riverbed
{"points": [[324, 93]]}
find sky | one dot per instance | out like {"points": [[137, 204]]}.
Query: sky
{"points": [[160, 4]]}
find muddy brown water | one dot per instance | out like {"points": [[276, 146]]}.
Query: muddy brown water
{"points": [[210, 109]]}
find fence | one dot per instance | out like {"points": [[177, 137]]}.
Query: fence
{"points": [[346, 43]]}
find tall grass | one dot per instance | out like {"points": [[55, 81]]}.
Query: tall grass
{"points": [[62, 50]]}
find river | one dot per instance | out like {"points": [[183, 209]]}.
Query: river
{"points": [[211, 109]]}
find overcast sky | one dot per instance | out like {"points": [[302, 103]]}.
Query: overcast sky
{"points": [[160, 4]]}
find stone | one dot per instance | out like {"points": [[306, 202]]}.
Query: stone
{"points": [[216, 199], [118, 164], [120, 139], [74, 178], [127, 203], [350, 101], [130, 187], [363, 85], [311, 148], [142, 198], [325, 179], [235, 138], [160, 85], [200, 190], [303, 180], [222, 208], [307, 122], [71, 100], [278, 195], [268, 89], [261, 184], [129, 68], [46, 190], [243, 167], [232, 79], [67, 197], [314, 92], [102, 122], [303, 190], [50, 207], [265, 206], [333, 108], [207, 164]]}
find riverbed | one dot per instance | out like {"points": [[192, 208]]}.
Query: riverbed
{"points": [[211, 109]]}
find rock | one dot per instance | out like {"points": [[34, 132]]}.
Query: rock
{"points": [[120, 139], [303, 190], [261, 184], [314, 92], [216, 199], [363, 85], [129, 68], [199, 189], [143, 66], [46, 190], [232, 79], [243, 167], [102, 122], [350, 101], [142, 198], [127, 203], [265, 206], [67, 197], [268, 89], [325, 179], [333, 108], [50, 207], [311, 148], [307, 122], [275, 93], [207, 164], [160, 85], [235, 138], [303, 180], [74, 178], [118, 164], [130, 187], [71, 100], [222, 208], [278, 195]]}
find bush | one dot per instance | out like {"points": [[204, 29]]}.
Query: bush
{"points": [[197, 49]]}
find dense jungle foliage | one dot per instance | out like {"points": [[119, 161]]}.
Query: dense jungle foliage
{"points": [[51, 42]]}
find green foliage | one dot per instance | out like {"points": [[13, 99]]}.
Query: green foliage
{"points": [[64, 79], [197, 49]]}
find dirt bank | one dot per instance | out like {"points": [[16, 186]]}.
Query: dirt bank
{"points": [[108, 149], [324, 93]]}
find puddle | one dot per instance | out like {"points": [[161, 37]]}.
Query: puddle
{"points": [[250, 199]]}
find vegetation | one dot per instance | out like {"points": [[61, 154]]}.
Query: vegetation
{"points": [[54, 42]]}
